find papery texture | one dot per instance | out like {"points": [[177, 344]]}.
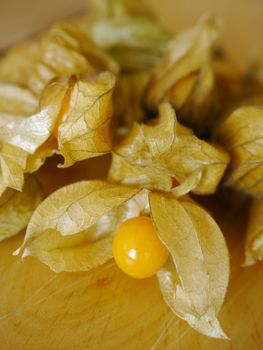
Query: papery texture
{"points": [[72, 229], [156, 154], [114, 8], [76, 111], [136, 43], [22, 137], [16, 208], [12, 164], [128, 31], [241, 135], [86, 129], [16, 101], [65, 49], [194, 283], [185, 77], [22, 56]]}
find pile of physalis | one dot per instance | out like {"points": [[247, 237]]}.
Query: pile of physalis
{"points": [[115, 82]]}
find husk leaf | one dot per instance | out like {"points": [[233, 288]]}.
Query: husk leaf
{"points": [[185, 77], [241, 135], [85, 131], [128, 37], [16, 101], [84, 128], [152, 155], [194, 282], [13, 164], [16, 208], [64, 50], [72, 229]]}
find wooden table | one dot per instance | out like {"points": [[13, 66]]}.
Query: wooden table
{"points": [[104, 309]]}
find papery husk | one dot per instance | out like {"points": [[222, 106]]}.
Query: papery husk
{"points": [[36, 160], [32, 132], [122, 171], [241, 135], [254, 236], [116, 8], [16, 208], [73, 228], [195, 281], [86, 129], [21, 56], [64, 50], [128, 31], [135, 42], [16, 101], [21, 138], [185, 77], [154, 155], [12, 164]]}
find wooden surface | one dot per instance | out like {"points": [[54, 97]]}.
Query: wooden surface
{"points": [[104, 309], [19, 19]]}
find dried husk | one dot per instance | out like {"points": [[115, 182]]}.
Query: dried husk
{"points": [[100, 9], [21, 56], [64, 50], [254, 237], [185, 77], [154, 155], [241, 135], [136, 43], [73, 228], [128, 31], [12, 164], [20, 139], [16, 101], [16, 208], [72, 80], [84, 127], [36, 160], [30, 133], [195, 280]]}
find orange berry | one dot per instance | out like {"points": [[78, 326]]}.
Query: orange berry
{"points": [[137, 249]]}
